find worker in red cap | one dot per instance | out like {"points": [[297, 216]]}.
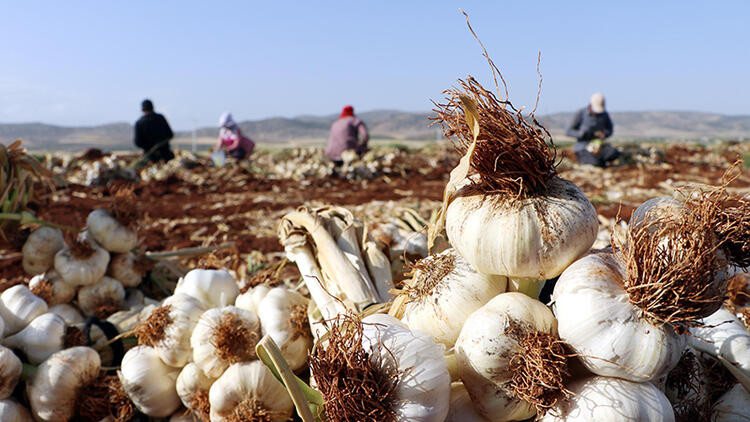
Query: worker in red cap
{"points": [[348, 132]]}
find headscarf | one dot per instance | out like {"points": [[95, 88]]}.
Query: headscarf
{"points": [[347, 111], [226, 120]]}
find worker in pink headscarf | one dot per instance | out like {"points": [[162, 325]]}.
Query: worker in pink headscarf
{"points": [[347, 133], [231, 138]]}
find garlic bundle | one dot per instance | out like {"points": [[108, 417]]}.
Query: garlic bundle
{"points": [[213, 288], [283, 316], [493, 348], [605, 399], [249, 391], [101, 299], [53, 391], [81, 263], [443, 292], [387, 372], [193, 387], [127, 268], [462, 409], [10, 372], [40, 339], [50, 287], [149, 382], [721, 334], [169, 327], [11, 411], [224, 336], [732, 406], [18, 307], [40, 248], [596, 318], [111, 233]]}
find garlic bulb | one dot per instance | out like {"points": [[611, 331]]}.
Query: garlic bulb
{"points": [[406, 379], [169, 327], [10, 372], [462, 409], [492, 338], [50, 287], [252, 297], [605, 399], [81, 263], [54, 388], [148, 382], [732, 406], [40, 248], [722, 334], [192, 387], [11, 411], [596, 318], [18, 307], [443, 292], [214, 288], [127, 269], [224, 336], [40, 339], [249, 389], [110, 233], [68, 313], [101, 299], [283, 316], [535, 237]]}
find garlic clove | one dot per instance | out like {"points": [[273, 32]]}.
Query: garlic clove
{"points": [[193, 387], [252, 298], [10, 372], [18, 307], [40, 248], [40, 339], [213, 288], [82, 263], [283, 316], [149, 382], [127, 269]]}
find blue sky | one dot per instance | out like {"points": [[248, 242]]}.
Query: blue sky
{"points": [[91, 62]]}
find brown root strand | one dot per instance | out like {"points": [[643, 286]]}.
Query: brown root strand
{"points": [[267, 277], [355, 385], [123, 207], [200, 406], [233, 339], [733, 229], [538, 369], [251, 410], [720, 380], [683, 380], [44, 289], [103, 397], [74, 336], [300, 322], [427, 275], [514, 155], [143, 265], [151, 331], [80, 249], [106, 307]]}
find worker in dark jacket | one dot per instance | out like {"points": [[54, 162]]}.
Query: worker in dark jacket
{"points": [[152, 134], [591, 126]]}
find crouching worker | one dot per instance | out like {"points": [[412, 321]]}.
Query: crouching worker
{"points": [[591, 126], [232, 140], [347, 133]]}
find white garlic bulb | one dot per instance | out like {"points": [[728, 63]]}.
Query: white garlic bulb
{"points": [[283, 316], [40, 339], [40, 248], [193, 387], [124, 268], [175, 320], [54, 388], [68, 313], [252, 298], [102, 298], [10, 372], [224, 336], [11, 411], [82, 263], [50, 287], [732, 406], [149, 382], [110, 233], [245, 387], [604, 399], [214, 288], [18, 307], [443, 292]]}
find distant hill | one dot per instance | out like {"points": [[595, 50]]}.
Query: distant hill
{"points": [[387, 124]]}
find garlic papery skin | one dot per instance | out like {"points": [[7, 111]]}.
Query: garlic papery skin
{"points": [[149, 382], [18, 307], [250, 300], [283, 316], [40, 339], [535, 237], [124, 268], [54, 388], [112, 235], [214, 288], [82, 271], [50, 287], [596, 318], [245, 387], [179, 314], [101, 299], [462, 409], [732, 406], [722, 334], [604, 399], [12, 411], [224, 336], [654, 208], [487, 344], [443, 292], [40, 248], [192, 387], [68, 313], [10, 372]]}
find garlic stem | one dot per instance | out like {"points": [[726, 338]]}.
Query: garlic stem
{"points": [[302, 256], [26, 217], [188, 251]]}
